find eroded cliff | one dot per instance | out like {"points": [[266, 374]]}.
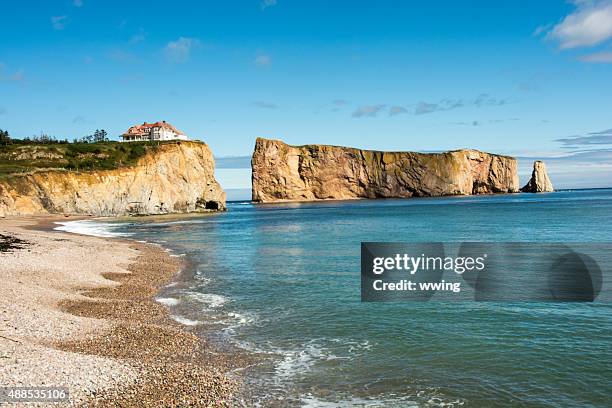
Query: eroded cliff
{"points": [[539, 181], [172, 178], [316, 172]]}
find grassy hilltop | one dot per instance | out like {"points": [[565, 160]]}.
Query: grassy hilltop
{"points": [[27, 157]]}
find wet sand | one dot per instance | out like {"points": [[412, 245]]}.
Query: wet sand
{"points": [[79, 312]]}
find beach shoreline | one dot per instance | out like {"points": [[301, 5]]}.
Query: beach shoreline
{"points": [[80, 312]]}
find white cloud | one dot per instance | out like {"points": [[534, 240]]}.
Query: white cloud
{"points": [[179, 51], [268, 3], [604, 57], [263, 60], [59, 22], [589, 25]]}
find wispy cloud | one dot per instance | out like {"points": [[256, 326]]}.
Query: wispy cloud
{"points": [[265, 105], [367, 111], [481, 122], [59, 22], [397, 110], [466, 123], [263, 60], [601, 138], [590, 24], [426, 107], [268, 3], [179, 51], [77, 3], [120, 55], [479, 101], [16, 76], [604, 57], [137, 37], [80, 120]]}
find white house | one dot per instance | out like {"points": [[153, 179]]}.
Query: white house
{"points": [[153, 131]]}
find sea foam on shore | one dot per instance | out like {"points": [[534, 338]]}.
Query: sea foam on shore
{"points": [[90, 227]]}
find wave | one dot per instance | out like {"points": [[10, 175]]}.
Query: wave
{"points": [[168, 301], [311, 401], [185, 321], [211, 300], [92, 228]]}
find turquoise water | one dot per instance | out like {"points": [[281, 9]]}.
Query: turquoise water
{"points": [[283, 281]]}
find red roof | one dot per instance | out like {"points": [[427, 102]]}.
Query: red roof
{"points": [[145, 128]]}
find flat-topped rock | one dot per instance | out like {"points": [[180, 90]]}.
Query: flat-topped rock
{"points": [[281, 172]]}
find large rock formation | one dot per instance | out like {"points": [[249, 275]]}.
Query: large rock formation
{"points": [[316, 172], [175, 178], [539, 182]]}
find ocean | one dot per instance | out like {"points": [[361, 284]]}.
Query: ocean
{"points": [[282, 282]]}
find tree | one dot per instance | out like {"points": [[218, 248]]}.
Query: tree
{"points": [[5, 138], [100, 135]]}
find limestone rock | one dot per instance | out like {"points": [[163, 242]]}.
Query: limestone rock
{"points": [[176, 178], [539, 182], [281, 172]]}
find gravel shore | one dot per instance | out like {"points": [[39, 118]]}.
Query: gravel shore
{"points": [[79, 312]]}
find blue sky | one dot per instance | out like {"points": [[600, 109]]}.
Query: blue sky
{"points": [[527, 78]]}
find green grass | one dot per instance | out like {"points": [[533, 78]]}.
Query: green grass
{"points": [[23, 158]]}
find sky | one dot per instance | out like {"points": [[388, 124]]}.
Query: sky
{"points": [[531, 79]]}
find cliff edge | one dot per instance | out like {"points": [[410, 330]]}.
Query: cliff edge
{"points": [[281, 172], [171, 178]]}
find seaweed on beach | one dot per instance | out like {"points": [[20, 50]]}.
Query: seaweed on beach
{"points": [[9, 243]]}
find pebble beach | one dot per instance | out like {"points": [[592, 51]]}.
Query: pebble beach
{"points": [[79, 312]]}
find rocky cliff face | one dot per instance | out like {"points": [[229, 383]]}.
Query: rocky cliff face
{"points": [[539, 182], [316, 172], [176, 178]]}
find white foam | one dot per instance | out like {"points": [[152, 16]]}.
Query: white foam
{"points": [[310, 401], [209, 299], [93, 228], [185, 321], [242, 319], [302, 359], [168, 301]]}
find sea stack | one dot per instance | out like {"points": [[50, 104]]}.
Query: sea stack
{"points": [[281, 172], [539, 182]]}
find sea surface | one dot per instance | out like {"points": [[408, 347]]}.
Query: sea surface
{"points": [[283, 281]]}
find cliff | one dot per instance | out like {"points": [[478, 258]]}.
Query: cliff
{"points": [[539, 182], [171, 178], [316, 172]]}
